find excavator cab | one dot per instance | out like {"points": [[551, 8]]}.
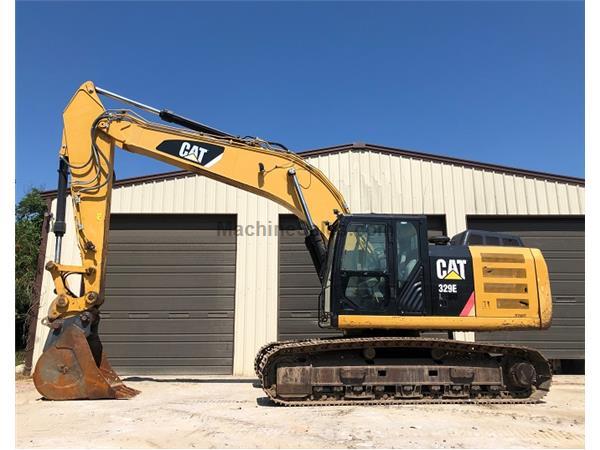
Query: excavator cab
{"points": [[376, 265], [382, 272]]}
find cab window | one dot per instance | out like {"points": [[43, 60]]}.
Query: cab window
{"points": [[365, 248], [407, 247], [364, 266]]}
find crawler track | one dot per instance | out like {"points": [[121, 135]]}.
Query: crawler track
{"points": [[398, 370]]}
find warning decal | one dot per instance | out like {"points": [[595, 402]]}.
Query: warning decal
{"points": [[469, 308]]}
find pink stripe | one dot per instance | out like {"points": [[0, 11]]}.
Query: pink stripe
{"points": [[469, 305]]}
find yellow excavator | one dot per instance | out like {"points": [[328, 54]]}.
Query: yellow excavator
{"points": [[383, 282]]}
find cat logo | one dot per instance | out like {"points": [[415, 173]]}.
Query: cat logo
{"points": [[192, 152], [200, 153], [451, 269]]}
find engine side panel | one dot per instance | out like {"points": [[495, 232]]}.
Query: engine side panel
{"points": [[505, 282], [476, 288]]}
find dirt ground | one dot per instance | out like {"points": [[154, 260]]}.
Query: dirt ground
{"points": [[228, 412]]}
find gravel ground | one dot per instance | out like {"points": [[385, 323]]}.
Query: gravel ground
{"points": [[228, 412]]}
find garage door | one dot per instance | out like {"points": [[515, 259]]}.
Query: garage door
{"points": [[170, 294], [299, 285], [562, 241]]}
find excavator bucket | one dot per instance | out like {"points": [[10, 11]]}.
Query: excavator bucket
{"points": [[67, 370]]}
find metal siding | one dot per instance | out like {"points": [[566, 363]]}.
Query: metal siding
{"points": [[552, 197], [459, 198], [499, 195], [456, 190], [428, 195], [416, 187], [387, 176], [509, 192], [479, 204], [396, 185], [396, 195], [561, 196], [531, 197], [562, 241], [438, 191], [488, 188], [541, 196], [520, 196], [469, 188], [476, 191]]}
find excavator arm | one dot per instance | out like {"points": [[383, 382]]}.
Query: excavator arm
{"points": [[90, 135]]}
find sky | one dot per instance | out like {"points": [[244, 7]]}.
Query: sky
{"points": [[496, 82]]}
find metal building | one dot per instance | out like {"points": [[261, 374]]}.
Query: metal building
{"points": [[201, 274]]}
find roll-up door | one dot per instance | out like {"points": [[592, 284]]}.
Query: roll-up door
{"points": [[170, 283]]}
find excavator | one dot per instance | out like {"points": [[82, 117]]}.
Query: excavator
{"points": [[383, 282]]}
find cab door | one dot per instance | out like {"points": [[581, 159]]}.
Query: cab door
{"points": [[363, 279], [411, 272]]}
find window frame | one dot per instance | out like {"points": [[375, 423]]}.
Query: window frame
{"points": [[394, 294], [343, 273], [416, 227]]}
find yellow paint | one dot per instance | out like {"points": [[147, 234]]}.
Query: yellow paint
{"points": [[436, 323], [493, 291], [239, 167], [91, 183], [452, 276], [90, 199], [544, 292]]}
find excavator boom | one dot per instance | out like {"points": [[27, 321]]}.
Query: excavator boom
{"points": [[73, 364]]}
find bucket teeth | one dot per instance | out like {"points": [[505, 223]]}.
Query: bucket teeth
{"points": [[124, 392], [121, 391], [67, 371]]}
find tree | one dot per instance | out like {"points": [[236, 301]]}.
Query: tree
{"points": [[29, 218]]}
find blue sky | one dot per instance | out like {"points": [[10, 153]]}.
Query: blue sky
{"points": [[498, 82]]}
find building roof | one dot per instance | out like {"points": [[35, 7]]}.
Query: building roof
{"points": [[360, 146], [442, 159]]}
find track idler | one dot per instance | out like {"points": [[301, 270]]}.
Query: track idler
{"points": [[73, 365]]}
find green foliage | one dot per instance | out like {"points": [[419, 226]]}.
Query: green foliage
{"points": [[29, 217], [19, 357]]}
